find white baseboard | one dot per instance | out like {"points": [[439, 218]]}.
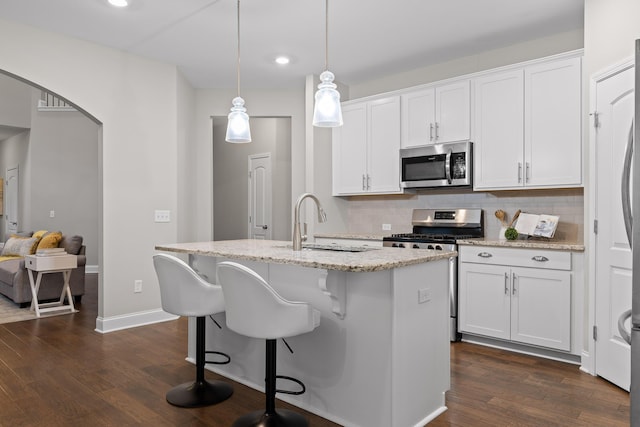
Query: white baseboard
{"points": [[132, 320], [90, 269]]}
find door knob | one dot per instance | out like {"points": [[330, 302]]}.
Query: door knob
{"points": [[264, 227]]}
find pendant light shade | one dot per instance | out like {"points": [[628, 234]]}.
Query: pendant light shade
{"points": [[327, 111], [238, 130]]}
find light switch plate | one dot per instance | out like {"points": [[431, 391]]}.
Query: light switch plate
{"points": [[162, 216]]}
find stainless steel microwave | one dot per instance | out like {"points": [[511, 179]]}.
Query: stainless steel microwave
{"points": [[437, 165]]}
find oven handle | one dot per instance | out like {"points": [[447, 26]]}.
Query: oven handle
{"points": [[447, 166]]}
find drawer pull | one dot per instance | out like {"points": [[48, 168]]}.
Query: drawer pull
{"points": [[540, 258], [485, 255]]}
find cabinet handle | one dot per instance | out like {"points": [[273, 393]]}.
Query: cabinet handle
{"points": [[513, 289], [540, 258], [527, 175], [519, 172], [437, 126], [484, 255], [506, 284], [430, 131]]}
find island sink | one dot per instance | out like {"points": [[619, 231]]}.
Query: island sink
{"points": [[333, 247]]}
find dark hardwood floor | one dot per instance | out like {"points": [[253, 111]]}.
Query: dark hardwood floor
{"points": [[60, 372]]}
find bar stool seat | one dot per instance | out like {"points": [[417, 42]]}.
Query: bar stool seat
{"points": [[184, 293], [255, 309]]}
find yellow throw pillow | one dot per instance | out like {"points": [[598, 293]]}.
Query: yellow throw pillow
{"points": [[38, 234], [20, 246], [50, 240]]}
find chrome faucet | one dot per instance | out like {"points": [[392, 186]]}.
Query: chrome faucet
{"points": [[298, 237]]}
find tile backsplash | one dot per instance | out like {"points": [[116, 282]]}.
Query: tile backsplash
{"points": [[366, 214]]}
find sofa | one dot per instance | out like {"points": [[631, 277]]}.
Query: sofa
{"points": [[14, 277]]}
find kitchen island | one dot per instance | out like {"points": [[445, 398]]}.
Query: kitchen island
{"points": [[380, 356]]}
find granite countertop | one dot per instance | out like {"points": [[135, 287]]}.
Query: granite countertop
{"points": [[561, 245], [354, 236], [280, 252]]}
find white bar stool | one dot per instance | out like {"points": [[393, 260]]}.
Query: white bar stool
{"points": [[184, 293], [254, 309]]}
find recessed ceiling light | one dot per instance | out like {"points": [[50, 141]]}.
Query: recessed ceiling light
{"points": [[119, 3], [282, 60]]}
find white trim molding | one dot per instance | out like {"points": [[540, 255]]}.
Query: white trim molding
{"points": [[132, 320]]}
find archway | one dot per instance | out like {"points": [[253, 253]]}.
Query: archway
{"points": [[61, 186]]}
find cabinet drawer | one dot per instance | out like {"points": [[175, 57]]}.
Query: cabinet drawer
{"points": [[538, 258]]}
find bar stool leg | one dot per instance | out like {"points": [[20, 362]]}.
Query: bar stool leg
{"points": [[270, 417], [200, 392]]}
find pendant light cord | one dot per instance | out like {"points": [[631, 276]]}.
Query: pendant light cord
{"points": [[326, 35], [238, 63]]}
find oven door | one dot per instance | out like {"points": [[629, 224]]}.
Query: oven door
{"points": [[439, 165]]}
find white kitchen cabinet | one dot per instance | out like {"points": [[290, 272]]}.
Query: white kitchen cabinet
{"points": [[502, 296], [499, 130], [528, 127], [366, 148], [437, 114]]}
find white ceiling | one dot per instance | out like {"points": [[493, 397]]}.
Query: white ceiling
{"points": [[367, 38]]}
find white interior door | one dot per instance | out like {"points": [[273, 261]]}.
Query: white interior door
{"points": [[260, 196], [11, 201], [615, 107]]}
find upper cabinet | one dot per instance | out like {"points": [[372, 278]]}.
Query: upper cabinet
{"points": [[528, 127], [437, 114], [366, 148]]}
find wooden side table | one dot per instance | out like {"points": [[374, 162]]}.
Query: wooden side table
{"points": [[45, 265]]}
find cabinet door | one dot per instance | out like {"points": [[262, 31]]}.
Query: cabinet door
{"points": [[418, 118], [383, 171], [349, 145], [453, 112], [553, 145], [541, 307], [484, 300], [499, 130]]}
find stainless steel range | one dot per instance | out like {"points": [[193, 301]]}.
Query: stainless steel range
{"points": [[439, 229]]}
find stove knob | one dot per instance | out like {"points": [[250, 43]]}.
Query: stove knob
{"points": [[438, 248], [401, 245], [415, 246], [430, 247], [394, 245]]}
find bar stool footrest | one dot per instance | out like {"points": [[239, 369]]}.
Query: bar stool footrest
{"points": [[216, 362], [295, 380]]}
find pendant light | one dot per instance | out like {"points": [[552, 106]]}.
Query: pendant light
{"points": [[238, 130], [327, 111]]}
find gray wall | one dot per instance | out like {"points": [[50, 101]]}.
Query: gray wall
{"points": [[230, 178], [15, 102], [63, 153]]}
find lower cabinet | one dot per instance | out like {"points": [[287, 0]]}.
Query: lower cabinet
{"points": [[519, 295]]}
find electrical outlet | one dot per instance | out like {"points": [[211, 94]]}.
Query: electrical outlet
{"points": [[52, 214], [386, 227], [137, 286], [424, 295], [162, 216]]}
